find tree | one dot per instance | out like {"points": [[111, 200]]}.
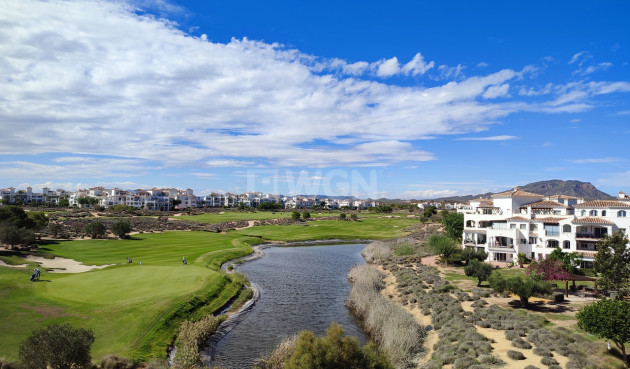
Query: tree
{"points": [[521, 258], [295, 215], [95, 229], [523, 287], [121, 228], [476, 268], [335, 350], [429, 211], [16, 226], [613, 262], [443, 246], [64, 202], [607, 319], [58, 346], [470, 253], [570, 261], [55, 229], [306, 215], [342, 216], [354, 217], [453, 224], [548, 269]]}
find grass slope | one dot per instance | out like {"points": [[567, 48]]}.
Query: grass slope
{"points": [[133, 309], [368, 228]]}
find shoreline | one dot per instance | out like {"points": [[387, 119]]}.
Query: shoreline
{"points": [[238, 316]]}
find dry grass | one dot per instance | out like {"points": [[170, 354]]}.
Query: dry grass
{"points": [[388, 324]]}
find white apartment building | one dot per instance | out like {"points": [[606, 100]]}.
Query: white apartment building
{"points": [[516, 221]]}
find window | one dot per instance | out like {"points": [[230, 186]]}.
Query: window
{"points": [[583, 213], [566, 244], [553, 243], [532, 240], [512, 226], [533, 227], [523, 226], [523, 241], [592, 213], [552, 230], [586, 264], [566, 228], [603, 213], [621, 213]]}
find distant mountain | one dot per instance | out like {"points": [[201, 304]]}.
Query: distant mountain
{"points": [[549, 188]]}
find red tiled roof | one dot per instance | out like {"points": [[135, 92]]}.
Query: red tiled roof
{"points": [[545, 204], [591, 220], [548, 220], [516, 193], [518, 219], [486, 204], [603, 204]]}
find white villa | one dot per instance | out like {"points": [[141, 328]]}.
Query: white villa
{"points": [[164, 199], [516, 221]]}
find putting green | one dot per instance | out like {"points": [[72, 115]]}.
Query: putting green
{"points": [[133, 284]]}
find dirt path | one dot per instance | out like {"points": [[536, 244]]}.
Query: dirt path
{"points": [[501, 346], [390, 293]]}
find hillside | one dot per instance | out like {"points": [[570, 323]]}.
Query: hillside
{"points": [[548, 188]]}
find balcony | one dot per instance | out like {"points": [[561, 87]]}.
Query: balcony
{"points": [[590, 235]]}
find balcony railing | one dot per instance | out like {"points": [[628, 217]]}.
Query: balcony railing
{"points": [[590, 235]]}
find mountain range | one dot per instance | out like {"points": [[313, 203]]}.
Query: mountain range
{"points": [[548, 188]]}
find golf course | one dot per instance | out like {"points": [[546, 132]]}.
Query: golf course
{"points": [[136, 308]]}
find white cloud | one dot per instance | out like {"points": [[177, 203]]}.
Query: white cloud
{"points": [[581, 57], [532, 91], [596, 160], [490, 138], [482, 65], [592, 68], [417, 66], [429, 194], [497, 91], [388, 68], [97, 80]]}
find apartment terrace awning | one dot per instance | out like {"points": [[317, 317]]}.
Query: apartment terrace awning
{"points": [[478, 230]]}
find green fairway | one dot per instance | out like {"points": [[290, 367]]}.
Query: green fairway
{"points": [[136, 309], [368, 228], [235, 216], [133, 309]]}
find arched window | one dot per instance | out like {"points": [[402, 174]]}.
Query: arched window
{"points": [[621, 213], [592, 213], [553, 243], [566, 228], [566, 244], [583, 213], [603, 213]]}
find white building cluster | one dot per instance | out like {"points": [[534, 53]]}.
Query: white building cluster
{"points": [[172, 198], [516, 221]]}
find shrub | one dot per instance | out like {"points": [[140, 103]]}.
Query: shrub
{"points": [[548, 361], [121, 228], [95, 229], [542, 352], [403, 250], [192, 336], [115, 362], [278, 356], [520, 343], [531, 367], [333, 351], [515, 355], [57, 346]]}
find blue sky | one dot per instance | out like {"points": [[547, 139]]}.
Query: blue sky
{"points": [[404, 99]]}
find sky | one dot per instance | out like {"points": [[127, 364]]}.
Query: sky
{"points": [[398, 99]]}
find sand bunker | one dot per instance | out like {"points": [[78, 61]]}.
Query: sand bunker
{"points": [[62, 265]]}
